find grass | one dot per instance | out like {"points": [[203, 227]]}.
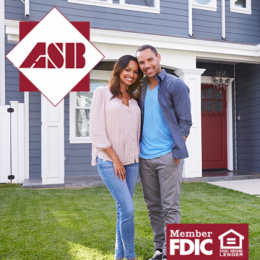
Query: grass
{"points": [[80, 224]]}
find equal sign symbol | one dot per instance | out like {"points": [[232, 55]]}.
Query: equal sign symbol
{"points": [[231, 241]]}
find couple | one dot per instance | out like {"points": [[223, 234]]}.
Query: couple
{"points": [[150, 138]]}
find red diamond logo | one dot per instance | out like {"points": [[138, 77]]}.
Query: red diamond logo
{"points": [[54, 56]]}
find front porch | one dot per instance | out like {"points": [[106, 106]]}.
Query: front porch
{"points": [[93, 181]]}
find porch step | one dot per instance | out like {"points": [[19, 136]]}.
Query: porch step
{"points": [[70, 182], [37, 184], [93, 181]]}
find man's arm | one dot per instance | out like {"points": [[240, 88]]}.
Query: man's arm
{"points": [[182, 107], [178, 160]]}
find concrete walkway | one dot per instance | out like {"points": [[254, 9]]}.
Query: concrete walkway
{"points": [[251, 187]]}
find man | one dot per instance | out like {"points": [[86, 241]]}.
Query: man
{"points": [[166, 122]]}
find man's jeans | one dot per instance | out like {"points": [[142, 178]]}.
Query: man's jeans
{"points": [[122, 192], [161, 182]]}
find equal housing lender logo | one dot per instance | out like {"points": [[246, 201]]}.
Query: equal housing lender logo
{"points": [[207, 241], [54, 56]]}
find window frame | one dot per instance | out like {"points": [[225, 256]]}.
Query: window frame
{"points": [[211, 6], [121, 5], [73, 139], [241, 10]]}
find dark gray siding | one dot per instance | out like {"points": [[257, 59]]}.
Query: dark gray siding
{"points": [[11, 79], [248, 108], [35, 135], [243, 27], [78, 156], [239, 27], [211, 68], [173, 19], [207, 24]]}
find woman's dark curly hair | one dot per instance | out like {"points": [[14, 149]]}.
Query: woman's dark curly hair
{"points": [[133, 90]]}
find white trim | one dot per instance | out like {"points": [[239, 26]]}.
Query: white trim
{"points": [[211, 6], [80, 140], [14, 144], [241, 10], [12, 30], [5, 158], [230, 127], [223, 17], [26, 135], [190, 18], [52, 142], [226, 57], [193, 164], [100, 74], [94, 74], [182, 72], [20, 142], [173, 43], [121, 5], [27, 8], [2, 53], [241, 52], [206, 80]]}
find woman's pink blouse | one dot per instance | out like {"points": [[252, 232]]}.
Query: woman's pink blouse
{"points": [[114, 124]]}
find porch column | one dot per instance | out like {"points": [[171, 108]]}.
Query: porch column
{"points": [[193, 164], [52, 142]]}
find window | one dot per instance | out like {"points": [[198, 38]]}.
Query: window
{"points": [[210, 5], [151, 6], [241, 6], [212, 100], [80, 103]]}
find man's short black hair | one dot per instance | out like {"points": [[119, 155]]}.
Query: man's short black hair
{"points": [[145, 47]]}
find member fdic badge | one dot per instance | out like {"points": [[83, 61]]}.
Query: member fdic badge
{"points": [[54, 56], [207, 241]]}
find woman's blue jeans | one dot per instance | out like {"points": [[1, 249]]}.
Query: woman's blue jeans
{"points": [[122, 192]]}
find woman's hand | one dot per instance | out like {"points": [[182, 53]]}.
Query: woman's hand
{"points": [[119, 169], [118, 166]]}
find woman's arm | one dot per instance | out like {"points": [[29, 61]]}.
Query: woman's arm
{"points": [[97, 126], [98, 133]]}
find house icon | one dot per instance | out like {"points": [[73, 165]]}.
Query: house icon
{"points": [[231, 240]]}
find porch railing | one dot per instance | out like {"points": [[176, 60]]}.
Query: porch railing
{"points": [[12, 141]]}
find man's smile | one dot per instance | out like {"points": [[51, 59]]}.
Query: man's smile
{"points": [[148, 71]]}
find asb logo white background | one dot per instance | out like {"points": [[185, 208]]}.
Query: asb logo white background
{"points": [[55, 82]]}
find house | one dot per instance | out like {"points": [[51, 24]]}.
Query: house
{"points": [[231, 240], [194, 37]]}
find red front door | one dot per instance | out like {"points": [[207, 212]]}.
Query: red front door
{"points": [[214, 128]]}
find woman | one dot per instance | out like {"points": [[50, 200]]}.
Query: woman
{"points": [[115, 123]]}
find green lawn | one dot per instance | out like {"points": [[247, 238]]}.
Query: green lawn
{"points": [[80, 224]]}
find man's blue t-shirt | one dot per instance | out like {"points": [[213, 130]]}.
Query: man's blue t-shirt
{"points": [[156, 138]]}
